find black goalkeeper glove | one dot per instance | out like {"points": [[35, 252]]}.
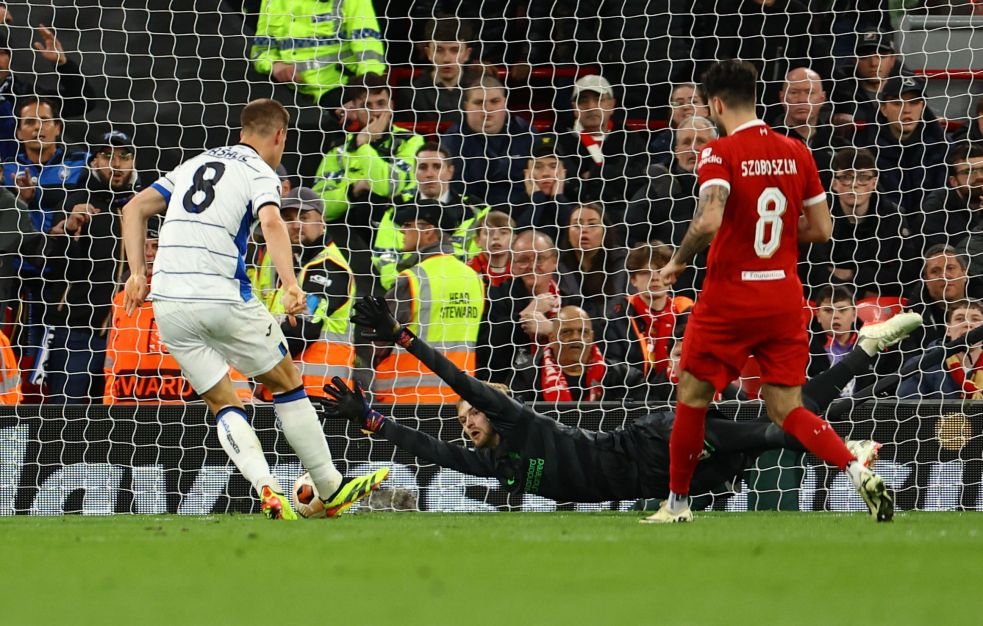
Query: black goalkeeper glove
{"points": [[378, 323], [351, 404]]}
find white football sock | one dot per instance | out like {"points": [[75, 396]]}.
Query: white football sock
{"points": [[677, 503], [856, 471], [239, 441], [303, 431]]}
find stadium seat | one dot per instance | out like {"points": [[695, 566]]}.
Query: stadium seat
{"points": [[879, 308]]}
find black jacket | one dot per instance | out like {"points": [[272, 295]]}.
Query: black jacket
{"points": [[595, 289], [663, 210], [949, 218], [425, 101], [72, 94], [544, 213], [502, 344], [875, 247], [621, 174], [823, 145], [19, 241], [84, 271], [908, 170]]}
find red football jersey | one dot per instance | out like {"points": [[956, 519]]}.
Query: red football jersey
{"points": [[751, 266]]}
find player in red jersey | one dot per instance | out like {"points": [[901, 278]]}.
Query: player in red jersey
{"points": [[760, 196]]}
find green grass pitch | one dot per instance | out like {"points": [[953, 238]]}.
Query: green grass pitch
{"points": [[505, 568]]}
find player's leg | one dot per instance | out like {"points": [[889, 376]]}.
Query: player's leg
{"points": [[261, 353], [300, 424], [707, 364], [693, 397], [240, 442], [303, 431], [783, 353], [207, 371], [784, 405], [819, 392]]}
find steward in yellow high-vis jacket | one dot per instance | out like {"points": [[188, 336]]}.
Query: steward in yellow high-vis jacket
{"points": [[321, 341], [439, 298]]}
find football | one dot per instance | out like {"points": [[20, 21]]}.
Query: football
{"points": [[306, 501]]}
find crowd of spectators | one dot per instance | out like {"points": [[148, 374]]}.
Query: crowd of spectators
{"points": [[532, 257]]}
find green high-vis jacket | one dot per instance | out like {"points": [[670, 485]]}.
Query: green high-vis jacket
{"points": [[388, 164], [329, 42]]}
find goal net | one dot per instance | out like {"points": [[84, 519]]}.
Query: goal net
{"points": [[511, 178]]}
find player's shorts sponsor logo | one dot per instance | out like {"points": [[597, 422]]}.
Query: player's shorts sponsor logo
{"points": [[769, 167], [762, 275]]}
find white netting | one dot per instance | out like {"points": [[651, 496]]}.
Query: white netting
{"points": [[584, 124]]}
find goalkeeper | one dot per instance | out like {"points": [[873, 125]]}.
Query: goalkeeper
{"points": [[531, 453]]}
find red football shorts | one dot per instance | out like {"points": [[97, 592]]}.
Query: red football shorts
{"points": [[715, 349]]}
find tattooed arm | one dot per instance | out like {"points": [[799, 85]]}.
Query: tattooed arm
{"points": [[706, 221]]}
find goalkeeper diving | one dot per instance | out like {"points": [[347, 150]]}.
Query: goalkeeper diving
{"points": [[530, 453]]}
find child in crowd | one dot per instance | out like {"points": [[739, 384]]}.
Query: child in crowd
{"points": [[493, 235]]}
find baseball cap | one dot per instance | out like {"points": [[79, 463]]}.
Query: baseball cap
{"points": [[153, 226], [871, 42], [895, 86], [445, 217], [593, 82], [302, 199], [544, 146], [113, 139], [282, 172]]}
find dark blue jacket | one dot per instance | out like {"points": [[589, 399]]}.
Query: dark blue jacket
{"points": [[908, 171], [489, 167], [931, 381], [63, 172]]}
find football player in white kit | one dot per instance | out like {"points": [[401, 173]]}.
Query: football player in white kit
{"points": [[205, 311]]}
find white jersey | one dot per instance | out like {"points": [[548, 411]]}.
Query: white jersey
{"points": [[212, 201]]}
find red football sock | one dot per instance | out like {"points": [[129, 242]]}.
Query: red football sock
{"points": [[818, 437], [685, 446]]}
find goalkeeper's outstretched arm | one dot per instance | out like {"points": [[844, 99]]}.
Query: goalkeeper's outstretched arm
{"points": [[342, 401], [374, 315]]}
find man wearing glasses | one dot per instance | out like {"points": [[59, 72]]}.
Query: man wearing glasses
{"points": [[867, 249], [521, 310], [83, 257]]}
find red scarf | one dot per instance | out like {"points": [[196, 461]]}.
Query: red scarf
{"points": [[593, 145], [554, 381], [971, 385]]}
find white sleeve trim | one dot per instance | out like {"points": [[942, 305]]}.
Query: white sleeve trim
{"points": [[165, 183], [814, 200], [715, 181], [265, 202]]}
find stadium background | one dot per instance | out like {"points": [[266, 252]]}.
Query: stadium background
{"points": [[178, 73]]}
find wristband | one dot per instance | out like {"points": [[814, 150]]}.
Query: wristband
{"points": [[373, 421]]}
